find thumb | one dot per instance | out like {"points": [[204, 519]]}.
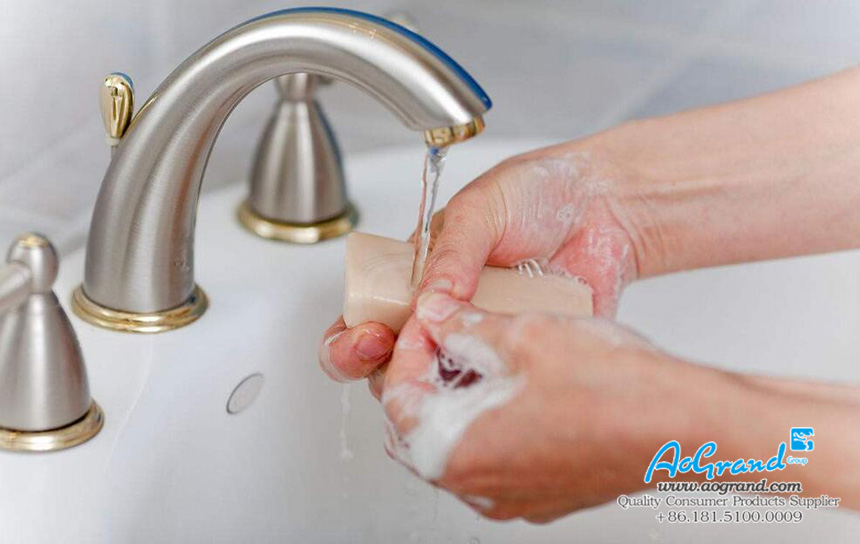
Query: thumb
{"points": [[472, 229]]}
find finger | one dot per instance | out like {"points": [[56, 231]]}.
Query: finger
{"points": [[533, 510], [406, 378], [446, 319], [546, 513], [350, 354], [375, 381], [469, 232]]}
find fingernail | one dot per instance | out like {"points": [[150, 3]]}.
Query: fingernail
{"points": [[440, 286], [370, 347], [435, 307]]}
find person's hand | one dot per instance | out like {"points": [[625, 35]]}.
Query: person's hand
{"points": [[536, 416], [529, 416], [563, 208], [347, 354], [558, 207]]}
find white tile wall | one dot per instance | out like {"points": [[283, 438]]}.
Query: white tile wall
{"points": [[670, 15], [825, 31], [554, 68], [708, 80], [52, 59], [544, 78]]}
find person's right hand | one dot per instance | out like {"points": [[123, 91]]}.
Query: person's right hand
{"points": [[527, 413], [561, 207]]}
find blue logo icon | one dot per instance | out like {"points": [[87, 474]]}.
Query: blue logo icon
{"points": [[801, 439]]}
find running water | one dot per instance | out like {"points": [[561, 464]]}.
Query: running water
{"points": [[434, 160], [346, 453]]}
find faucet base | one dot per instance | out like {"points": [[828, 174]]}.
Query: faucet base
{"points": [[73, 434], [297, 233], [152, 322]]}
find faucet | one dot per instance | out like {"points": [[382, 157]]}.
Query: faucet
{"points": [[139, 272], [297, 187], [45, 402], [297, 190]]}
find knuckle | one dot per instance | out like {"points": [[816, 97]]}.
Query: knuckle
{"points": [[468, 198], [448, 261], [443, 254], [471, 206]]}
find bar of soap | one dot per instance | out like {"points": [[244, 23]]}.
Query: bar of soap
{"points": [[378, 271]]}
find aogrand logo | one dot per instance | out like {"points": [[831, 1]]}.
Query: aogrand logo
{"points": [[698, 464], [801, 439]]}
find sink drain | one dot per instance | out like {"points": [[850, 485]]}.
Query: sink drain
{"points": [[245, 393]]}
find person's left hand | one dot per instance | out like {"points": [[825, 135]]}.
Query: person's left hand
{"points": [[531, 416]]}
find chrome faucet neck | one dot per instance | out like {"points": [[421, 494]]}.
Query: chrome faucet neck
{"points": [[140, 252]]}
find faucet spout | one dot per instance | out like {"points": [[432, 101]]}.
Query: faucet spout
{"points": [[140, 251]]}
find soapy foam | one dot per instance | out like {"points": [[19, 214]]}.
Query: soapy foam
{"points": [[565, 214], [442, 416], [555, 269], [475, 354], [574, 189], [551, 212], [470, 319], [602, 246], [427, 313]]}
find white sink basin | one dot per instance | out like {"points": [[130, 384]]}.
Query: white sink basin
{"points": [[171, 465]]}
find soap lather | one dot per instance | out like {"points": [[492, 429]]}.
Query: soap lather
{"points": [[377, 286]]}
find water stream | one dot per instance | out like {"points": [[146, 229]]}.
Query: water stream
{"points": [[346, 453], [434, 160]]}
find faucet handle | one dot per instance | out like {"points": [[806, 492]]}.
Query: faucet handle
{"points": [[31, 267], [116, 99], [305, 201], [45, 401]]}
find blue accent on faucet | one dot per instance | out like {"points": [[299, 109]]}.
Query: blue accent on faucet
{"points": [[126, 76], [421, 40]]}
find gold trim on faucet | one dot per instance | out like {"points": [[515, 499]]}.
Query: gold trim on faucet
{"points": [[445, 136], [297, 233], [73, 434], [153, 322]]}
